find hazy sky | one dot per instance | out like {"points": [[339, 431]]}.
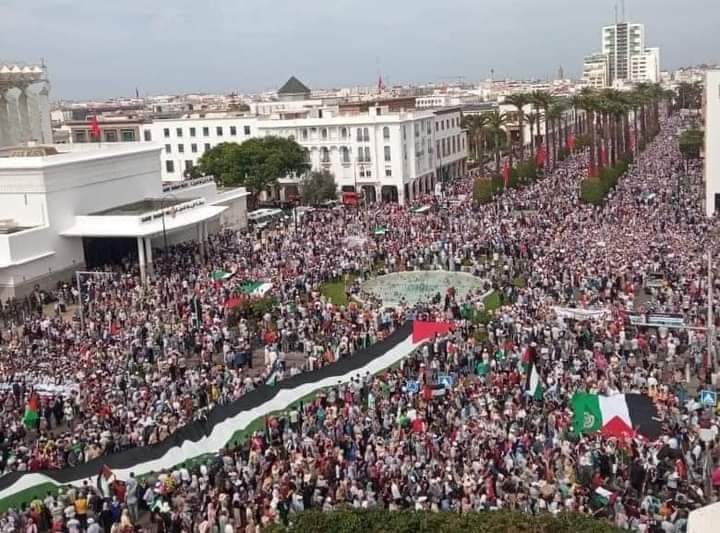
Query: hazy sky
{"points": [[99, 48]]}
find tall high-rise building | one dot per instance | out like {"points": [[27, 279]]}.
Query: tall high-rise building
{"points": [[628, 59]]}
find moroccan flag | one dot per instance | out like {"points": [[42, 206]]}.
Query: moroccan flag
{"points": [[94, 128], [603, 155], [619, 415], [425, 330], [32, 412], [541, 156], [571, 142], [534, 381], [506, 174]]}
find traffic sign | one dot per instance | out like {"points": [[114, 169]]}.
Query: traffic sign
{"points": [[708, 398]]}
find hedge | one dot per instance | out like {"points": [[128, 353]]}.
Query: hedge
{"points": [[483, 191], [593, 190], [381, 521]]}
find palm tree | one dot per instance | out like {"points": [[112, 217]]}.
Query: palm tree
{"points": [[576, 101], [555, 115], [496, 123], [519, 100], [475, 124], [589, 104], [542, 100]]}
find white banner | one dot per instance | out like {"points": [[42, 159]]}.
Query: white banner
{"points": [[580, 314]]}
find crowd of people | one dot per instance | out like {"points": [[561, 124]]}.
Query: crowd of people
{"points": [[148, 358]]}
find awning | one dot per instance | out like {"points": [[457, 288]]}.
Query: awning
{"points": [[135, 226]]}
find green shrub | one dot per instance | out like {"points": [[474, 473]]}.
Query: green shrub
{"points": [[483, 191], [594, 189], [525, 171], [380, 521]]}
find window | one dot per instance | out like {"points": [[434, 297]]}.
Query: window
{"points": [[367, 154], [127, 135], [246, 130], [218, 131], [437, 126], [439, 152], [366, 135], [168, 149], [178, 132], [193, 148], [360, 157], [188, 164], [324, 133], [147, 135], [387, 153], [345, 154], [453, 145], [404, 132], [169, 166], [304, 133], [386, 133], [192, 132], [181, 148], [324, 155], [368, 173], [359, 135], [233, 130], [111, 136], [343, 133], [206, 131], [388, 172], [207, 147], [80, 137], [166, 132], [417, 129]]}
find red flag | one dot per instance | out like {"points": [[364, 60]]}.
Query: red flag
{"points": [[95, 128], [506, 173], [425, 330], [603, 155], [591, 169], [571, 142], [541, 156], [233, 302]]}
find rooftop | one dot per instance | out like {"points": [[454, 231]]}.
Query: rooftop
{"points": [[294, 86], [140, 207]]}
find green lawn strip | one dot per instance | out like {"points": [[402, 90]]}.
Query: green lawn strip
{"points": [[492, 301], [335, 290]]}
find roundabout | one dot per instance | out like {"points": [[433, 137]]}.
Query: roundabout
{"points": [[421, 286]]}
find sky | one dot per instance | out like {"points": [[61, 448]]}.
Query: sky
{"points": [[105, 48]]}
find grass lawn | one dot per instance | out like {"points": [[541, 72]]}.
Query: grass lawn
{"points": [[492, 301], [335, 290]]}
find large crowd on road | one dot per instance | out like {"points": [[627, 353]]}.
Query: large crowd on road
{"points": [[148, 358]]}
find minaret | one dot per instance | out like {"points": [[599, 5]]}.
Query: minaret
{"points": [[561, 73]]}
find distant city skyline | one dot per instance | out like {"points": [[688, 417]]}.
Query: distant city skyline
{"points": [[99, 50]]}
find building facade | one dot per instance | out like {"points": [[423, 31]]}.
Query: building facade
{"points": [[712, 141], [596, 71], [24, 108]]}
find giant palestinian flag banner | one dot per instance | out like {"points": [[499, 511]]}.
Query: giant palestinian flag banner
{"points": [[225, 425], [620, 415]]}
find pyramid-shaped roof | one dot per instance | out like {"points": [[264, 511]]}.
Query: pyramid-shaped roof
{"points": [[294, 86]]}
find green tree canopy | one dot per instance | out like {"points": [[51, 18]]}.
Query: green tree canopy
{"points": [[318, 187], [256, 164]]}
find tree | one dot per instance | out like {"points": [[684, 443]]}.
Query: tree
{"points": [[256, 164], [475, 124], [589, 104], [318, 187], [542, 100], [496, 124], [519, 100]]}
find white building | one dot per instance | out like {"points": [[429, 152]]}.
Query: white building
{"points": [[628, 59], [24, 109], [712, 141], [66, 208], [595, 71]]}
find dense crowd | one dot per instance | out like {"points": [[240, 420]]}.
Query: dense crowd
{"points": [[150, 357]]}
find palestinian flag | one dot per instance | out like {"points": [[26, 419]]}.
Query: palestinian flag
{"points": [[534, 381], [436, 390], [221, 275], [620, 415], [104, 481], [255, 288], [603, 497], [31, 418]]}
